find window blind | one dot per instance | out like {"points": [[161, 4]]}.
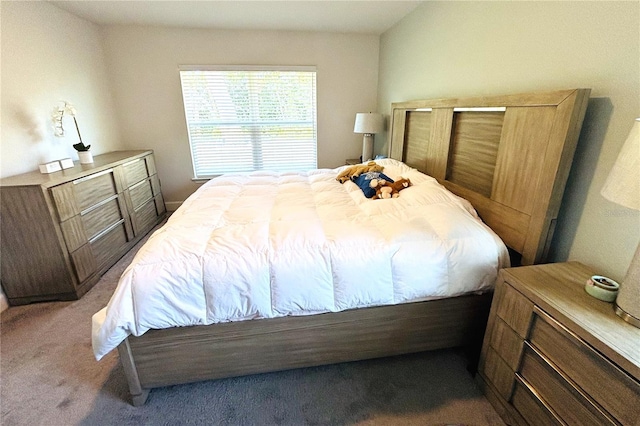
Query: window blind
{"points": [[250, 119]]}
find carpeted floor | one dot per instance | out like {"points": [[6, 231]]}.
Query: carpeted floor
{"points": [[49, 377]]}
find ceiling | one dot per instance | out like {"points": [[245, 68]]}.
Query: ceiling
{"points": [[367, 17]]}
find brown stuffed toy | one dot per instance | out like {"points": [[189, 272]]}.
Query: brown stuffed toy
{"points": [[386, 189], [357, 170]]}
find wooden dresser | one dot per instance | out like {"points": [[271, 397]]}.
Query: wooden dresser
{"points": [[61, 231], [554, 355]]}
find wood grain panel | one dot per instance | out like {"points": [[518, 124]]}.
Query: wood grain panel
{"points": [[534, 99], [144, 217], [521, 156], [84, 262], [474, 149], [151, 165], [109, 244], [398, 126], [439, 146], [416, 140], [247, 347], [532, 408], [563, 398], [160, 206], [135, 171], [558, 158], [93, 189], [507, 343], [74, 233], [498, 373], [65, 201], [100, 218], [155, 184], [33, 260], [558, 289], [516, 310], [602, 380], [140, 193]]}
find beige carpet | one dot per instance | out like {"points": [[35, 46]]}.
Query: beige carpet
{"points": [[49, 377]]}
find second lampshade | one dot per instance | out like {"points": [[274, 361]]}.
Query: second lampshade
{"points": [[368, 123]]}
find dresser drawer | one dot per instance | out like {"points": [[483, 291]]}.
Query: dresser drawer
{"points": [[563, 397], [531, 408], [514, 309], [105, 246], [101, 217], [603, 381], [135, 171], [84, 262], [93, 189], [144, 217], [140, 193]]}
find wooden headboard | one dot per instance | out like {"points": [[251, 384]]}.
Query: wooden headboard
{"points": [[508, 155]]}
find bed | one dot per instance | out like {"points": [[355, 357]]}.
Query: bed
{"points": [[267, 271]]}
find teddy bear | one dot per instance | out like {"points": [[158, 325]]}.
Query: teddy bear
{"points": [[355, 171], [386, 189]]}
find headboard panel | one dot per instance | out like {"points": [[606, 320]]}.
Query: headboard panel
{"points": [[508, 155]]}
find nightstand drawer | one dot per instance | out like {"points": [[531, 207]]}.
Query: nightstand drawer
{"points": [[531, 407], [562, 396], [598, 377]]}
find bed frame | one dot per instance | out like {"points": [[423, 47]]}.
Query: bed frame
{"points": [[509, 155]]}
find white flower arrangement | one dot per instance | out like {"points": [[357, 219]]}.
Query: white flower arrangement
{"points": [[59, 111]]}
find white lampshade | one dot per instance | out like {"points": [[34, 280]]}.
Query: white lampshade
{"points": [[369, 122], [623, 187], [623, 184]]}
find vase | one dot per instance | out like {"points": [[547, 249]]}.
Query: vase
{"points": [[85, 157]]}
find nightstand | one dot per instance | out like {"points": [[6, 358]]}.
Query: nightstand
{"points": [[352, 161], [552, 354]]}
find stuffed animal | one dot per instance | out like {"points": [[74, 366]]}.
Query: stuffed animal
{"points": [[386, 189], [355, 171]]}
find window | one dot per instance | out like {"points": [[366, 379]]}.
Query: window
{"points": [[250, 118]]}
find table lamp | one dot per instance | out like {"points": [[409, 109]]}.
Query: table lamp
{"points": [[368, 123], [623, 187]]}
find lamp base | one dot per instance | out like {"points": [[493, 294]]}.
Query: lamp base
{"points": [[628, 300], [627, 317], [367, 147]]}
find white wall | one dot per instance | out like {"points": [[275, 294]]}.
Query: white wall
{"points": [[143, 66], [450, 49], [49, 55]]}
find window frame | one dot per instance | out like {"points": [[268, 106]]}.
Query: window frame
{"points": [[257, 68]]}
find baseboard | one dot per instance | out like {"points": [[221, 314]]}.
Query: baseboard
{"points": [[4, 303], [172, 206]]}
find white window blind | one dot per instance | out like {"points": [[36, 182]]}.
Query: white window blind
{"points": [[250, 119]]}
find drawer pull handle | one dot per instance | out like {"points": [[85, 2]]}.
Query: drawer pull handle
{"points": [[535, 393], [93, 176], [101, 203], [106, 231], [570, 382]]}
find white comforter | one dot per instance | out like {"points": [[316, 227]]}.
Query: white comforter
{"points": [[265, 245]]}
